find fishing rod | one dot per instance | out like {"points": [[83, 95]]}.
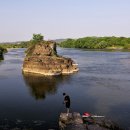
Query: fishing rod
{"points": [[86, 114]]}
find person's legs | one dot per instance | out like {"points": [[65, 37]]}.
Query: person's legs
{"points": [[68, 110]]}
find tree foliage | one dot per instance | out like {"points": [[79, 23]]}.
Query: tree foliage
{"points": [[2, 50], [24, 44], [37, 38], [15, 45], [97, 43]]}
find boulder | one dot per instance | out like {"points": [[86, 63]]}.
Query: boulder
{"points": [[42, 58], [100, 123], [74, 121]]}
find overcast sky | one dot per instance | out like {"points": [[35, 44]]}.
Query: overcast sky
{"points": [[19, 19]]}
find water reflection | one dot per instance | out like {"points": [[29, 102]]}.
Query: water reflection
{"points": [[40, 86]]}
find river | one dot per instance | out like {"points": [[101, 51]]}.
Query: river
{"points": [[102, 86]]}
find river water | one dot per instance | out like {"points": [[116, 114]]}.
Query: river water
{"points": [[102, 86]]}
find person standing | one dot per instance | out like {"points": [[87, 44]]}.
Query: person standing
{"points": [[67, 102]]}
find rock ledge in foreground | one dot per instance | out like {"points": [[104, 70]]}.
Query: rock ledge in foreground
{"points": [[74, 121]]}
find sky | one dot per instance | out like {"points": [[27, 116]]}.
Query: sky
{"points": [[55, 19]]}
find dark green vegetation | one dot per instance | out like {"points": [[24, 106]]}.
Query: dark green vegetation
{"points": [[37, 38], [2, 50], [1, 57], [15, 45], [118, 43], [24, 44], [97, 43]]}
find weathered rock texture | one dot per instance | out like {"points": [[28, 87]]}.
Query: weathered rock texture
{"points": [[71, 122], [100, 123], [42, 58], [74, 121]]}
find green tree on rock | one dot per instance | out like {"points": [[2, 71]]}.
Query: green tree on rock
{"points": [[37, 38]]}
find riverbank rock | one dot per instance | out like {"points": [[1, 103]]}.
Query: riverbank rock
{"points": [[18, 124], [1, 54], [74, 121], [100, 123], [43, 59]]}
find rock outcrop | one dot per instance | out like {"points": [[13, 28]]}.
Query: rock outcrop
{"points": [[42, 58], [71, 122], [1, 54], [74, 121]]}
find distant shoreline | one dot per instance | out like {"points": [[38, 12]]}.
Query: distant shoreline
{"points": [[98, 43], [107, 50]]}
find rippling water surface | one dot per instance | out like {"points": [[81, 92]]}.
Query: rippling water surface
{"points": [[101, 86]]}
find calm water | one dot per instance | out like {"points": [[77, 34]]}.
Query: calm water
{"points": [[102, 86]]}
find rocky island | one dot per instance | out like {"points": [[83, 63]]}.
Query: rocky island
{"points": [[42, 58]]}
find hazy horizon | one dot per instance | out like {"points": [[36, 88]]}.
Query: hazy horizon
{"points": [[63, 19]]}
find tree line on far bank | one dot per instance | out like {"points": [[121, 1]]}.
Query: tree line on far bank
{"points": [[97, 43], [86, 42], [2, 50], [23, 44]]}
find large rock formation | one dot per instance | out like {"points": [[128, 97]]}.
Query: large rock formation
{"points": [[71, 122], [42, 58]]}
